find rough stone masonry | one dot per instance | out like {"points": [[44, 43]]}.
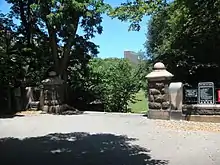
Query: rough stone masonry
{"points": [[158, 96], [158, 92]]}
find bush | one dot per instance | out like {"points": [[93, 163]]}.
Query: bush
{"points": [[117, 82]]}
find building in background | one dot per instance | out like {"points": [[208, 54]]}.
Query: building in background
{"points": [[131, 56]]}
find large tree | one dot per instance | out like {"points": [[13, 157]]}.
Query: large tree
{"points": [[57, 21], [185, 35], [48, 36]]}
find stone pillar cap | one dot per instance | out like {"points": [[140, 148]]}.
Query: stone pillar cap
{"points": [[159, 71], [159, 66]]}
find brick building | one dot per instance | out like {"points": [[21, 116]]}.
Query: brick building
{"points": [[131, 56]]}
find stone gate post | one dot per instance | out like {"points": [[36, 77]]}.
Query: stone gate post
{"points": [[158, 92], [52, 94]]}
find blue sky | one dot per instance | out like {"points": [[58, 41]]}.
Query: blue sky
{"points": [[115, 38]]}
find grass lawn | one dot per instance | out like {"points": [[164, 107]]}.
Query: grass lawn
{"points": [[141, 104]]}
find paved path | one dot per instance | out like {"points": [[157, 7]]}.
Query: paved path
{"points": [[103, 139]]}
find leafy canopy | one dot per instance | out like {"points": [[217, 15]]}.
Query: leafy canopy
{"points": [[185, 35], [133, 11]]}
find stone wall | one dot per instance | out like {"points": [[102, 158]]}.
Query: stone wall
{"points": [[197, 109], [158, 98]]}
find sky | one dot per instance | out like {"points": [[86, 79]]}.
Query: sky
{"points": [[115, 38]]}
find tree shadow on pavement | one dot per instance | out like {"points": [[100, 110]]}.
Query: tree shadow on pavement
{"points": [[75, 148], [10, 116]]}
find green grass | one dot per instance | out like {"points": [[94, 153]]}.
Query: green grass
{"points": [[141, 104]]}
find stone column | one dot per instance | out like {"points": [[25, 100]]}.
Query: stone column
{"points": [[176, 100], [158, 93], [52, 94]]}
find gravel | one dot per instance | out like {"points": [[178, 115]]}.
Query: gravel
{"points": [[189, 126], [95, 138]]}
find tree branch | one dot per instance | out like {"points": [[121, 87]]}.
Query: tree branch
{"points": [[26, 19], [52, 39], [68, 46]]}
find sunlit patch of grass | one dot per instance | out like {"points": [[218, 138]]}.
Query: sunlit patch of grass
{"points": [[140, 106]]}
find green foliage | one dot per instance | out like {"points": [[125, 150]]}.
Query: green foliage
{"points": [[10, 62], [48, 33], [112, 81], [185, 35], [46, 39], [118, 83], [134, 11]]}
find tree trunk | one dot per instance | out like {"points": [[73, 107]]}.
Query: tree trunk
{"points": [[61, 64], [27, 20]]}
